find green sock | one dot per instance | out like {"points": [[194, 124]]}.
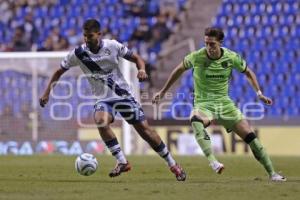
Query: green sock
{"points": [[261, 155], [203, 140]]}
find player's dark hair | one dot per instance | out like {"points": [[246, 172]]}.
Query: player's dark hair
{"points": [[91, 25], [215, 32]]}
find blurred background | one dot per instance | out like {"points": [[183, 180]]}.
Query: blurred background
{"points": [[36, 34]]}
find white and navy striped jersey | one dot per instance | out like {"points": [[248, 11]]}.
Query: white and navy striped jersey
{"points": [[102, 69]]}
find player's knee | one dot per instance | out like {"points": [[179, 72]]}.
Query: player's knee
{"points": [[205, 122], [101, 121], [250, 137]]}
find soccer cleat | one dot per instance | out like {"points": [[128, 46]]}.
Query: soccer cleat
{"points": [[277, 178], [217, 167], [179, 172], [119, 169]]}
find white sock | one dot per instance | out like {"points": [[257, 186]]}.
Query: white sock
{"points": [[165, 154], [115, 149], [117, 152]]}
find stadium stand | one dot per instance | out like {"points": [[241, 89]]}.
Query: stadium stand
{"points": [[46, 25], [269, 42], [267, 35]]}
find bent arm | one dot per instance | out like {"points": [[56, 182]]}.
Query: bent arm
{"points": [[254, 83], [251, 77], [55, 77], [140, 64]]}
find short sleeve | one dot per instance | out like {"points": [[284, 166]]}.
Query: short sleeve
{"points": [[239, 63], [188, 62], [123, 51], [69, 61]]}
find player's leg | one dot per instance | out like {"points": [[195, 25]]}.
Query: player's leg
{"points": [[242, 128], [134, 115], [154, 140], [103, 118], [132, 112], [200, 121]]}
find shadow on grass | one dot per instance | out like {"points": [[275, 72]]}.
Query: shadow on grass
{"points": [[145, 180], [60, 180]]}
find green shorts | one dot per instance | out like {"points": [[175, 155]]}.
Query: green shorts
{"points": [[224, 112]]}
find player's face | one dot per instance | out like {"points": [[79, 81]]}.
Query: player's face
{"points": [[213, 46], [91, 38]]}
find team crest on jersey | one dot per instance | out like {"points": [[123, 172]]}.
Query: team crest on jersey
{"points": [[225, 64], [106, 52]]}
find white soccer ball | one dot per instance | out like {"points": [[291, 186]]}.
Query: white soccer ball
{"points": [[86, 164]]}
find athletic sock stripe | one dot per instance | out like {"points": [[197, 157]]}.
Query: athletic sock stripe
{"points": [[196, 119], [250, 137], [114, 147], [166, 155], [111, 143], [116, 151], [160, 147], [163, 152]]}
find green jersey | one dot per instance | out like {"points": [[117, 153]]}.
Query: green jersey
{"points": [[211, 77]]}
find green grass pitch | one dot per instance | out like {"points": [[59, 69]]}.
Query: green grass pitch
{"points": [[54, 177]]}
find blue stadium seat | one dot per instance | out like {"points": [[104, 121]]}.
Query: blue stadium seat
{"points": [[263, 43], [266, 33]]}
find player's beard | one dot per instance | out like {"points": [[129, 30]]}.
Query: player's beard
{"points": [[213, 53], [93, 45]]}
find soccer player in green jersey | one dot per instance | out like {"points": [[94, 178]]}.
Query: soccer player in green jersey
{"points": [[212, 68]]}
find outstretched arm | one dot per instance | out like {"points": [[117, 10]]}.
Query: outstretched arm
{"points": [[55, 77], [176, 73], [254, 83]]}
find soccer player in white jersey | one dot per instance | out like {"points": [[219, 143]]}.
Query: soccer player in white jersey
{"points": [[98, 59]]}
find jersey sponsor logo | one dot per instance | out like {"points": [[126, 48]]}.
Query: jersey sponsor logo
{"points": [[98, 75], [215, 76]]}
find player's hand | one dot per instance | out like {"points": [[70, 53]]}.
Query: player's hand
{"points": [[265, 99], [44, 100], [157, 97], [142, 75]]}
